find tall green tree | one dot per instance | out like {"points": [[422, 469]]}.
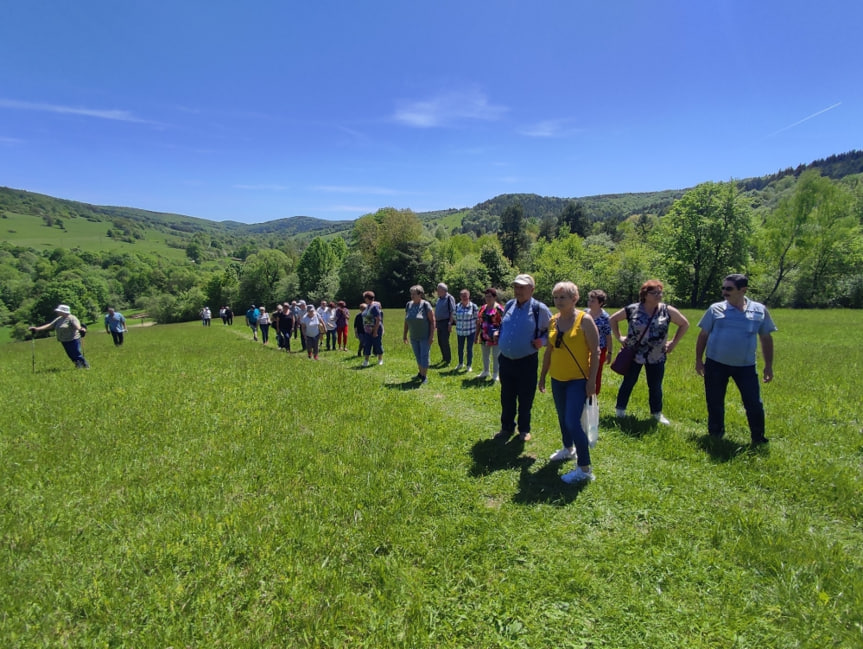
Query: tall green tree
{"points": [[512, 234], [833, 247], [260, 275], [782, 238], [317, 264], [574, 217], [500, 273], [468, 272], [704, 237]]}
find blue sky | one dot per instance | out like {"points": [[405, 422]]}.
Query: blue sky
{"points": [[333, 109]]}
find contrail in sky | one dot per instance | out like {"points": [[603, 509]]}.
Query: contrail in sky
{"points": [[806, 119]]}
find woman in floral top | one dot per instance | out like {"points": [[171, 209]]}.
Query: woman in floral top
{"points": [[488, 324], [596, 299], [654, 315]]}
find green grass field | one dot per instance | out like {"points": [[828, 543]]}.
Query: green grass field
{"points": [[28, 231], [195, 489]]}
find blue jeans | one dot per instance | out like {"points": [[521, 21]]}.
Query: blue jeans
{"points": [[517, 390], [73, 351], [421, 348], [655, 373], [569, 398], [716, 377], [461, 342]]}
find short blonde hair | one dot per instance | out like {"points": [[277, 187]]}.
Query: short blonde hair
{"points": [[569, 288]]}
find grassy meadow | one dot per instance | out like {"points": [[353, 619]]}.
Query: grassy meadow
{"points": [[29, 231], [196, 489]]}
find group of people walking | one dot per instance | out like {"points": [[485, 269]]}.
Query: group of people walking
{"points": [[297, 319], [577, 345]]}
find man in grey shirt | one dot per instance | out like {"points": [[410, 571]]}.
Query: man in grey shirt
{"points": [[444, 313]]}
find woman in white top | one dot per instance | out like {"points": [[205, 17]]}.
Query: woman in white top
{"points": [[312, 325], [264, 324]]}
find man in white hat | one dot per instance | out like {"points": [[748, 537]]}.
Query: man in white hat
{"points": [[69, 332], [523, 332]]}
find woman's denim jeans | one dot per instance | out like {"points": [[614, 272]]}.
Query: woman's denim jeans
{"points": [[655, 373], [569, 398]]}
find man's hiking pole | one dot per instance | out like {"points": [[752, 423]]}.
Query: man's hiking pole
{"points": [[33, 349]]}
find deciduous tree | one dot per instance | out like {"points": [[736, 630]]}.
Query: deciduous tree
{"points": [[704, 237]]}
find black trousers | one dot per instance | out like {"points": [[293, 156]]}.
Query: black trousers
{"points": [[517, 390]]}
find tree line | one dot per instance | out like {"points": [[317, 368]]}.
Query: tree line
{"points": [[799, 240]]}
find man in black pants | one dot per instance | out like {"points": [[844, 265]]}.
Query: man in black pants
{"points": [[444, 313], [523, 332]]}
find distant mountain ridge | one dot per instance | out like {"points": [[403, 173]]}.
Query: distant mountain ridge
{"points": [[130, 221]]}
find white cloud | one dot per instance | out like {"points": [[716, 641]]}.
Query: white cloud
{"points": [[550, 128], [113, 114], [447, 109]]}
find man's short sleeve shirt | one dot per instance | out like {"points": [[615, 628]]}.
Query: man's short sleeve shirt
{"points": [[734, 333]]}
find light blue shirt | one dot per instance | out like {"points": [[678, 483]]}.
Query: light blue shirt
{"points": [[733, 333], [116, 322], [518, 328]]}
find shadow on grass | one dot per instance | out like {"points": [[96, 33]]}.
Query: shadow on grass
{"points": [[408, 384], [490, 455], [470, 382], [52, 370], [545, 487], [629, 426], [722, 449]]}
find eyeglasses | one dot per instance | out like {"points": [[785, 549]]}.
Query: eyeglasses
{"points": [[655, 291]]}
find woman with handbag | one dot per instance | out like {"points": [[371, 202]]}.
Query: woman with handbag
{"points": [[647, 341], [572, 359]]}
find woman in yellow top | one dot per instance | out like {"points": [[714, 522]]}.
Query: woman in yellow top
{"points": [[572, 358]]}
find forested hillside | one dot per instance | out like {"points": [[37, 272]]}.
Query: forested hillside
{"points": [[796, 232]]}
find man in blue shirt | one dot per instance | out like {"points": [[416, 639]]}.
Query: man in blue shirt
{"points": [[115, 324], [252, 316], [730, 331], [523, 332]]}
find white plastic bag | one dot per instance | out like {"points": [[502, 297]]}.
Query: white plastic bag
{"points": [[590, 420]]}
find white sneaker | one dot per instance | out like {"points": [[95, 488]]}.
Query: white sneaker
{"points": [[662, 419], [482, 374], [381, 362], [620, 412], [494, 377], [577, 475], [365, 363], [469, 369], [562, 455], [459, 367]]}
